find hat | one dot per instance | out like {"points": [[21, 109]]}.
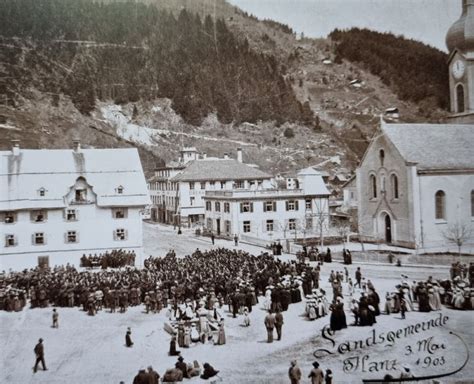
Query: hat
{"points": [[315, 364], [180, 358], [293, 362], [40, 340]]}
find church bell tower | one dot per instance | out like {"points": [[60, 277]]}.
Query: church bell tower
{"points": [[460, 43]]}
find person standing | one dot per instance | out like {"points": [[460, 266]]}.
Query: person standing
{"points": [[128, 338], [316, 374], [278, 323], [221, 333], [141, 378], [212, 237], [328, 377], [269, 324], [236, 240], [294, 373], [39, 353], [55, 318], [358, 277], [154, 377]]}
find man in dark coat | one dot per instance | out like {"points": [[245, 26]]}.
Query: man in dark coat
{"points": [[182, 366], [128, 338], [141, 378], [278, 323], [39, 352], [154, 377], [269, 324], [358, 277], [209, 371]]}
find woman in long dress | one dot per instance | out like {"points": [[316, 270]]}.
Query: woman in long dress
{"points": [[187, 337], [221, 333]]}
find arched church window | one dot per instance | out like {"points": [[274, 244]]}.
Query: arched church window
{"points": [[440, 205], [460, 98], [373, 186], [394, 185], [382, 156]]}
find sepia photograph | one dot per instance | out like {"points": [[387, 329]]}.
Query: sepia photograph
{"points": [[236, 191]]}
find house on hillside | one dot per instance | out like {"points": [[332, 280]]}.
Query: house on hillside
{"points": [[415, 185], [177, 191], [56, 205]]}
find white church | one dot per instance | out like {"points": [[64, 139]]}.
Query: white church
{"points": [[415, 183], [56, 205]]}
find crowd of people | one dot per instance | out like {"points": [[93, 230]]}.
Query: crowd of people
{"points": [[180, 371], [116, 258], [196, 289]]}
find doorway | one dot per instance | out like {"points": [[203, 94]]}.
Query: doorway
{"points": [[388, 229]]}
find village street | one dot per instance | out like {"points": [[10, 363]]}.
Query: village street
{"points": [[89, 349]]}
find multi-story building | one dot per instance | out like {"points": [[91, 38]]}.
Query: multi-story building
{"points": [[177, 189], [56, 205], [270, 214]]}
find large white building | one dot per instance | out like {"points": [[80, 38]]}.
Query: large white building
{"points": [[56, 205], [415, 185], [177, 189], [266, 215]]}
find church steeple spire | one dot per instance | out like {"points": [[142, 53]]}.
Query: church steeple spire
{"points": [[460, 43]]}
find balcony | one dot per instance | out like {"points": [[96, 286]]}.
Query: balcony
{"points": [[263, 193]]}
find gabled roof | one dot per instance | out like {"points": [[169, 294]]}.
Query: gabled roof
{"points": [[220, 169], [22, 175], [434, 146]]}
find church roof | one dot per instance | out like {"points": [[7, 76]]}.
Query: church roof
{"points": [[105, 170], [219, 169], [434, 146]]}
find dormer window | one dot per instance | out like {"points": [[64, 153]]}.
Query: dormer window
{"points": [[81, 195], [119, 190], [42, 192]]}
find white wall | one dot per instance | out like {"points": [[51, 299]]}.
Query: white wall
{"points": [[458, 207], [280, 217], [95, 227]]}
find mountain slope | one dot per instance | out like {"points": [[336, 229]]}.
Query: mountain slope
{"points": [[131, 51], [192, 72]]}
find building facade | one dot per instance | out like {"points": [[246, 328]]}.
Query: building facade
{"points": [[268, 214], [415, 186], [177, 190], [56, 205]]}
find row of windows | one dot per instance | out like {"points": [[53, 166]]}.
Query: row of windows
{"points": [[41, 215], [268, 206], [238, 184], [70, 237], [270, 225], [80, 194], [394, 193]]}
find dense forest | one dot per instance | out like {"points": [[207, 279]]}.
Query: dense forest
{"points": [[415, 71], [128, 51]]}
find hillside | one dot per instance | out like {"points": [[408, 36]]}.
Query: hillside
{"points": [[159, 74]]}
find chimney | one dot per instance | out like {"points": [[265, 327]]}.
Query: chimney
{"points": [[226, 156], [16, 147], [239, 155], [76, 144]]}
